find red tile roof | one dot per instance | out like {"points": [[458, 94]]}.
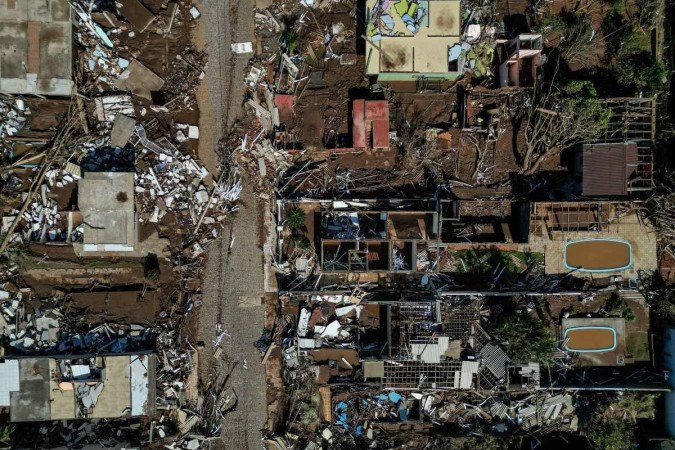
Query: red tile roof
{"points": [[377, 110], [284, 104], [381, 134], [371, 116], [359, 120]]}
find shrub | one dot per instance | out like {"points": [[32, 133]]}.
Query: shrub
{"points": [[295, 218], [301, 241]]}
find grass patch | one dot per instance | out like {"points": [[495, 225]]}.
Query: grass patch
{"points": [[637, 345]]}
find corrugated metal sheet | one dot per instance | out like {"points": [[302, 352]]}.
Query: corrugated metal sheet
{"points": [[430, 352], [608, 167], [495, 360], [9, 380], [469, 369]]}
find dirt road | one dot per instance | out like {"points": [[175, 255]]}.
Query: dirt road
{"points": [[234, 276], [221, 92], [233, 297]]}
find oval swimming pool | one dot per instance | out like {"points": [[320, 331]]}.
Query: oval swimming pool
{"points": [[590, 339], [597, 255]]}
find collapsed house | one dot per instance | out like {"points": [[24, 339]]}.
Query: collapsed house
{"points": [[406, 39], [72, 387]]}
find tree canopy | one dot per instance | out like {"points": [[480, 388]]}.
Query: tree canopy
{"points": [[526, 338], [558, 116]]}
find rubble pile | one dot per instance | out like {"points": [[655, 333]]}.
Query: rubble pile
{"points": [[265, 159], [503, 414], [168, 180], [184, 75], [357, 414], [13, 114], [43, 219], [48, 330], [106, 34], [363, 414], [103, 433], [328, 325]]}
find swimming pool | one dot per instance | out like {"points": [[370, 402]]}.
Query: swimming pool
{"points": [[589, 339], [597, 255]]}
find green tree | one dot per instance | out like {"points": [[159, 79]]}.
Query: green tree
{"points": [[526, 338], [637, 68], [559, 116], [638, 405], [295, 218], [610, 434]]}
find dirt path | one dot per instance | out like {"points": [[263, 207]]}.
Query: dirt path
{"points": [[233, 297], [221, 93]]}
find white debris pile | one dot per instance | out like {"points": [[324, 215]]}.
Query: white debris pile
{"points": [[265, 158], [101, 62], [170, 181], [27, 332], [43, 218], [13, 114]]}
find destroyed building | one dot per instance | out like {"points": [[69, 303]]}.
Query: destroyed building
{"points": [[519, 60], [72, 387], [36, 43], [406, 40]]}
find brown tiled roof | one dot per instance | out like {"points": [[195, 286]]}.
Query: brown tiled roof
{"points": [[608, 167]]}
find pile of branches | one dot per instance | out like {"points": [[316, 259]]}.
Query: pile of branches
{"points": [[660, 210]]}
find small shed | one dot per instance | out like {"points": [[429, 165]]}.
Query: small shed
{"points": [[607, 168]]}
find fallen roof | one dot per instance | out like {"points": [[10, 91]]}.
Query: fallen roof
{"points": [[36, 47], [137, 14], [139, 80], [608, 167]]}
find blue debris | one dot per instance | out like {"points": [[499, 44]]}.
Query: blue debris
{"points": [[119, 345], [403, 414], [359, 430], [341, 406], [382, 397], [395, 397]]}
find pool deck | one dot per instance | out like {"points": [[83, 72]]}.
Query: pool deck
{"points": [[628, 228], [609, 358]]}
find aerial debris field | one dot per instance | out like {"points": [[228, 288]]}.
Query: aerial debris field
{"points": [[338, 224]]}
